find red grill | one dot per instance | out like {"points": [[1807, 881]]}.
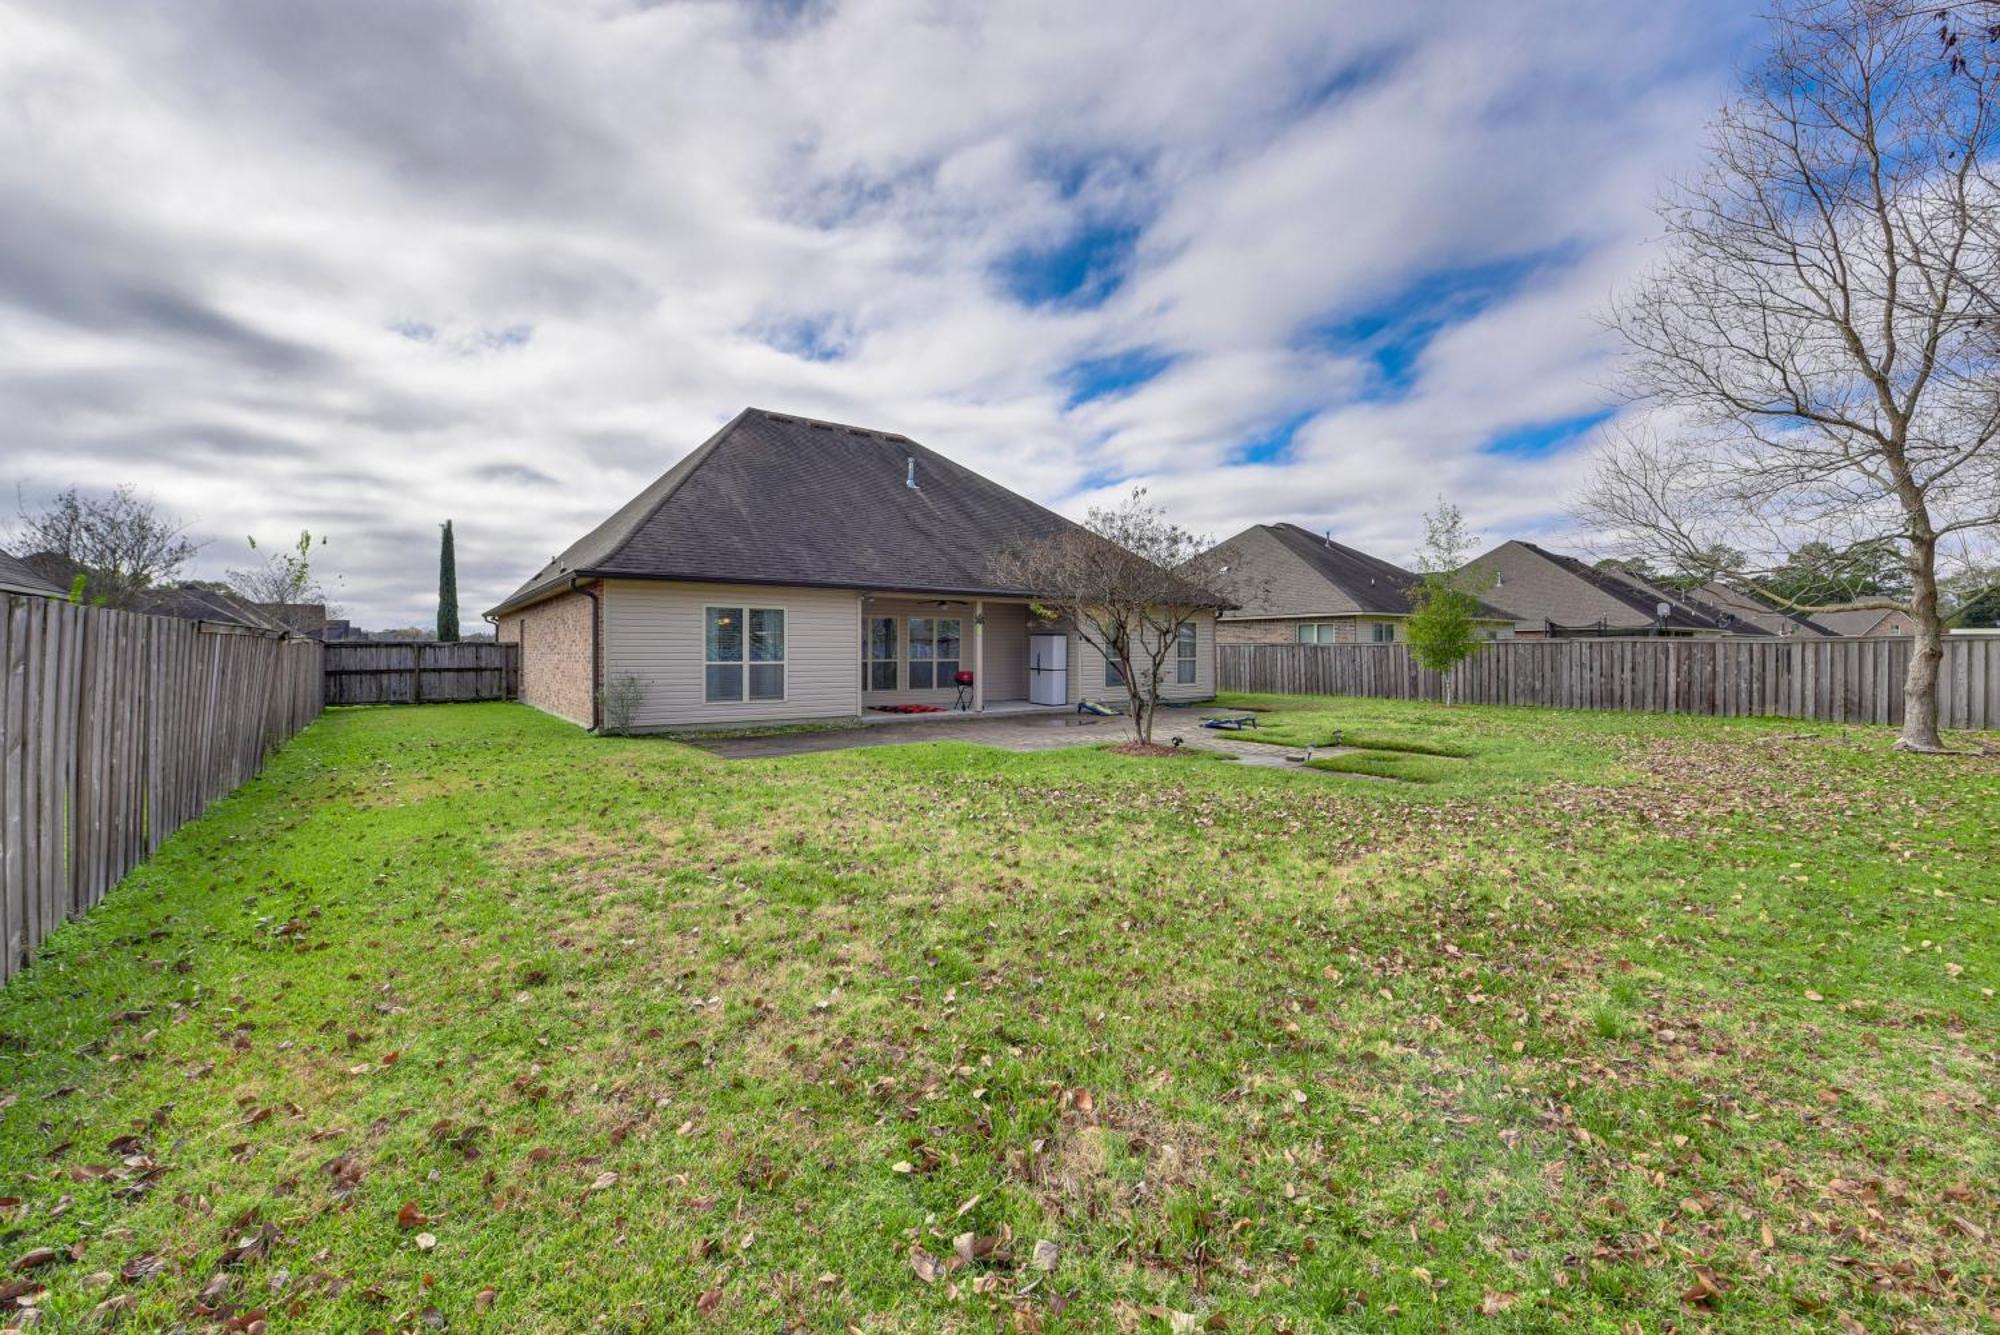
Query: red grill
{"points": [[962, 679]]}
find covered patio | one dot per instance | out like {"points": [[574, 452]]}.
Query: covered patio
{"points": [[916, 651]]}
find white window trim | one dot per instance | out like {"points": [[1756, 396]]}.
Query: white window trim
{"points": [[1193, 632], [900, 629], [909, 642], [746, 609]]}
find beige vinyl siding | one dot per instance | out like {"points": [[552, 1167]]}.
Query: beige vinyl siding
{"points": [[655, 631], [1006, 649], [1086, 669]]}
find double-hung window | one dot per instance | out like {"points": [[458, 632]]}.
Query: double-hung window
{"points": [[1186, 655], [1383, 632], [1316, 632], [882, 666], [744, 654], [934, 645]]}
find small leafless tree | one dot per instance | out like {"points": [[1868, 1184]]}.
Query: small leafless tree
{"points": [[283, 576], [122, 542], [1129, 582], [1820, 341]]}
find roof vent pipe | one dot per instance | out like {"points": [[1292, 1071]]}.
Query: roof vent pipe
{"points": [[910, 477]]}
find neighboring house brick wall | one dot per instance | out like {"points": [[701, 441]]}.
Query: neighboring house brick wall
{"points": [[556, 655], [1347, 630], [1284, 631]]}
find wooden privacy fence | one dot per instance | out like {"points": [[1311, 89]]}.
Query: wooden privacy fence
{"points": [[115, 730], [416, 672], [1840, 680]]}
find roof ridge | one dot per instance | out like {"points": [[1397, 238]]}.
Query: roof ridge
{"points": [[872, 432]]}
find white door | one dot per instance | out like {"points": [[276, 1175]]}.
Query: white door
{"points": [[1048, 669]]}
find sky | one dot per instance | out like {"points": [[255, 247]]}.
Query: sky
{"points": [[362, 267]]}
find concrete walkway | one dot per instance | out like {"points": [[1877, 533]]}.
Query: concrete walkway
{"points": [[1038, 732]]}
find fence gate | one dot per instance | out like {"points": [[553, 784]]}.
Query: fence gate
{"points": [[418, 672]]}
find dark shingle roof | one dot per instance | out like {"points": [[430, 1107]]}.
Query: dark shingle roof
{"points": [[16, 577], [1758, 610], [777, 499], [1683, 612], [1375, 585], [193, 603]]}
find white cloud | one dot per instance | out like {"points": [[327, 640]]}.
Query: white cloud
{"points": [[363, 267]]}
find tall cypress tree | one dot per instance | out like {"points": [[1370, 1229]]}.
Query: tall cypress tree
{"points": [[447, 589]]}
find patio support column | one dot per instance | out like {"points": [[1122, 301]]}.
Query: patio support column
{"points": [[978, 657]]}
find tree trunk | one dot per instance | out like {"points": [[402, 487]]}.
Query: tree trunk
{"points": [[1920, 683]]}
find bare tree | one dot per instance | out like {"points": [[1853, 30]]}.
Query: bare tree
{"points": [[283, 576], [121, 542], [1131, 583], [1821, 337]]}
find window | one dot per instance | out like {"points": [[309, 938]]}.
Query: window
{"points": [[881, 661], [933, 652], [744, 654], [1316, 632], [1113, 678], [1186, 658], [1383, 632]]}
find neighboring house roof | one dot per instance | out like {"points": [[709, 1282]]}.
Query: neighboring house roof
{"points": [[776, 499], [192, 603], [1551, 588], [55, 568], [1865, 621], [1283, 570], [302, 618], [18, 577], [1759, 612]]}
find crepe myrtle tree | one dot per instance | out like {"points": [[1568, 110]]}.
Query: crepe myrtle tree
{"points": [[1129, 582], [282, 576], [1444, 605], [1817, 350]]}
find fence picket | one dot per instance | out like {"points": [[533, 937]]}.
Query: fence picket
{"points": [[116, 728], [1838, 680]]}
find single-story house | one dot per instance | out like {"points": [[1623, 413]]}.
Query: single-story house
{"points": [[1758, 611], [1553, 596], [1293, 586], [18, 577], [790, 570]]}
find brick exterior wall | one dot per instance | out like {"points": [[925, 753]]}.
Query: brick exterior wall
{"points": [[1256, 632], [1285, 630], [557, 657]]}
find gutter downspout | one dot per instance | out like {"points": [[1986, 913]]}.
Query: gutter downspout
{"points": [[596, 649]]}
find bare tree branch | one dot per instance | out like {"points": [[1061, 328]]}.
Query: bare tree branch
{"points": [[1819, 345]]}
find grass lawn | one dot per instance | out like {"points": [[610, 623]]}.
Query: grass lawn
{"points": [[458, 1017]]}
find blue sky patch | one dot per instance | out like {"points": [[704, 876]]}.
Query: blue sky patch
{"points": [[1096, 377], [1394, 332], [1275, 444], [813, 338], [1082, 270], [1538, 440]]}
